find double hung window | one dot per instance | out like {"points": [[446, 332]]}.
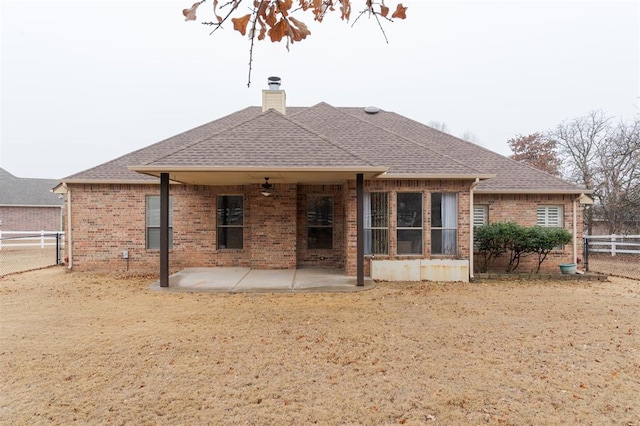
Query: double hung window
{"points": [[409, 222], [153, 222], [230, 222], [444, 223], [376, 223]]}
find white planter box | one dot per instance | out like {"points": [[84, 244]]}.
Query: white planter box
{"points": [[444, 270], [420, 270]]}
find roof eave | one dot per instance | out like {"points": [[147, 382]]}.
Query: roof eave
{"points": [[436, 176], [152, 170], [534, 191]]}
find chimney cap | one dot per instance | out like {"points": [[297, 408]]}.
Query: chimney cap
{"points": [[274, 82]]}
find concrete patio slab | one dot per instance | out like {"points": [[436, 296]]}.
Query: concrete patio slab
{"points": [[222, 279], [266, 280], [246, 280]]}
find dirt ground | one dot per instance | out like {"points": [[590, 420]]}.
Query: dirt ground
{"points": [[98, 349]]}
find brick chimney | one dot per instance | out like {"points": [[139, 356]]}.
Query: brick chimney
{"points": [[274, 97]]}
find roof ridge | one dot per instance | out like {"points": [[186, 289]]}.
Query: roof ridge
{"points": [[209, 136], [409, 140], [261, 115], [329, 140]]}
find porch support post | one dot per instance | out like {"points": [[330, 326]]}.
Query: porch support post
{"points": [[360, 229], [164, 229]]}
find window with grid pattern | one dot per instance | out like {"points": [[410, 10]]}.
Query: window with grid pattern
{"points": [[153, 222], [230, 222]]}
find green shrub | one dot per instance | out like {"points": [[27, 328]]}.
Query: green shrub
{"points": [[495, 239]]}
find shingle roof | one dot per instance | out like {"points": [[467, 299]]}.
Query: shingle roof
{"points": [[323, 135], [267, 139], [511, 176], [27, 191]]}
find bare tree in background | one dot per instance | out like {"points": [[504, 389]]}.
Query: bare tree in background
{"points": [[536, 150], [439, 125], [603, 155], [469, 136]]}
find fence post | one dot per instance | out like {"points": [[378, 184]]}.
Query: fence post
{"points": [[57, 248], [41, 239], [613, 245], [0, 240], [585, 254]]}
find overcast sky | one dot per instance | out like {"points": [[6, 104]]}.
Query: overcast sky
{"points": [[86, 81]]}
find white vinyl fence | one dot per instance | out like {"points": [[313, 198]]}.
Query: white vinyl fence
{"points": [[40, 239], [26, 250], [614, 244]]}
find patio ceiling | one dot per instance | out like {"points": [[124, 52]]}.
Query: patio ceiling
{"points": [[254, 175]]}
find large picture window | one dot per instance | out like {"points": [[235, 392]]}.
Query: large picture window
{"points": [[230, 222], [444, 223], [319, 222], [409, 222], [376, 223], [153, 222]]}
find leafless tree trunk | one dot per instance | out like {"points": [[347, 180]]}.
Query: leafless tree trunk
{"points": [[604, 156]]}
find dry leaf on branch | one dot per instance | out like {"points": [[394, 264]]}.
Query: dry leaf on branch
{"points": [[190, 14], [401, 12], [240, 24]]}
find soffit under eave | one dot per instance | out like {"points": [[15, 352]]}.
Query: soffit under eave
{"points": [[255, 176]]}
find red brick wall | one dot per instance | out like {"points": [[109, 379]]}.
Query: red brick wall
{"points": [[16, 218], [522, 209], [272, 237], [108, 219]]}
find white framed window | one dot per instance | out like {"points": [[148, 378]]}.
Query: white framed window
{"points": [[480, 218], [319, 222], [444, 223], [480, 214], [230, 222], [376, 223], [153, 222], [549, 216], [409, 222]]}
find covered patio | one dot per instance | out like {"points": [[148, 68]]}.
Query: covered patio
{"points": [[247, 280]]}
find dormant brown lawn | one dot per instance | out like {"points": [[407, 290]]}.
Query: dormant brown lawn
{"points": [[98, 349]]}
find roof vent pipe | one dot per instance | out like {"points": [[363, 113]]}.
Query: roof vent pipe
{"points": [[274, 83]]}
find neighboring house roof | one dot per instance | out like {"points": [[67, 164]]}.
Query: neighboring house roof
{"points": [[27, 191], [327, 136]]}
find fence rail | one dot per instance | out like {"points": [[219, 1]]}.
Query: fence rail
{"points": [[26, 250], [613, 244], [26, 238]]}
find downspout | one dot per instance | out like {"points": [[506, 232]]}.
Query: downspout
{"points": [[67, 234], [473, 185], [575, 230]]}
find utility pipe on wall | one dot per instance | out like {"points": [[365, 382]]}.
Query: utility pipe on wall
{"points": [[67, 233]]}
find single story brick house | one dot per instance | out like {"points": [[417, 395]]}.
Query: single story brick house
{"points": [[276, 187], [27, 204]]}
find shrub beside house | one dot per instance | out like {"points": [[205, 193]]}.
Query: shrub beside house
{"points": [[278, 187]]}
